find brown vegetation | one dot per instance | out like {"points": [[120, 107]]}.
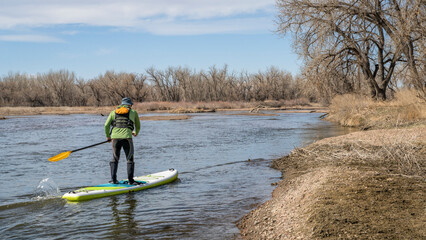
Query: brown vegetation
{"points": [[63, 88], [168, 117], [192, 110], [357, 111], [365, 185], [169, 107], [254, 114], [212, 105], [22, 111]]}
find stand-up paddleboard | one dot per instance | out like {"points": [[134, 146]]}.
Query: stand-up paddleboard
{"points": [[109, 189]]}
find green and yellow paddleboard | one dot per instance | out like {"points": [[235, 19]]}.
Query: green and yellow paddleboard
{"points": [[109, 189]]}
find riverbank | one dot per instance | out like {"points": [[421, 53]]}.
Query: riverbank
{"points": [[364, 185], [172, 107]]}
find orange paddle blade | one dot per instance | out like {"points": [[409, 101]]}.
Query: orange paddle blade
{"points": [[60, 156]]}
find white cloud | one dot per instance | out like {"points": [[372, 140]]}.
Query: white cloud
{"points": [[236, 25], [29, 38], [170, 16]]}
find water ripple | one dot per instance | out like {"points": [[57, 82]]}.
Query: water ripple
{"points": [[223, 164]]}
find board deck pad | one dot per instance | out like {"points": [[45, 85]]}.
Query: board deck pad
{"points": [[122, 183], [110, 189]]}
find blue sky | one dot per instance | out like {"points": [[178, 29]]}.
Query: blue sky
{"points": [[90, 37]]}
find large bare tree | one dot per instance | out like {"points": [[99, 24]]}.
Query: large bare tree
{"points": [[353, 36]]}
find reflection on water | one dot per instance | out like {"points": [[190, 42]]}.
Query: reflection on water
{"points": [[223, 161], [124, 225]]}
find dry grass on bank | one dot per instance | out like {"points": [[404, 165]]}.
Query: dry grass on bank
{"points": [[169, 107], [22, 111], [253, 114], [162, 118], [358, 111], [364, 185], [195, 107], [190, 106]]}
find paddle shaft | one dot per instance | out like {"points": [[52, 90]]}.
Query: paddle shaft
{"points": [[96, 144]]}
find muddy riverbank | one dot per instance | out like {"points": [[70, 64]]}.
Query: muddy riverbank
{"points": [[363, 185], [167, 107]]}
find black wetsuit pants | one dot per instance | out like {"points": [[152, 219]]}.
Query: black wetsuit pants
{"points": [[127, 145]]}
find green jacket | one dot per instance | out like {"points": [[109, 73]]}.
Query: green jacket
{"points": [[122, 132]]}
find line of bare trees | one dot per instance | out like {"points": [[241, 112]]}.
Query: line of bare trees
{"points": [[358, 45], [63, 88]]}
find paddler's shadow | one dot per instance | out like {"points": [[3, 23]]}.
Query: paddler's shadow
{"points": [[122, 209]]}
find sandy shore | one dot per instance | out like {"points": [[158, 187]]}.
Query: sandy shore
{"points": [[162, 118], [10, 112], [364, 185]]}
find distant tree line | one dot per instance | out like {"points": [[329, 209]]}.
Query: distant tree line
{"points": [[174, 84]]}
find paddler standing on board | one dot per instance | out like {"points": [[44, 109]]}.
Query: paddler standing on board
{"points": [[125, 124]]}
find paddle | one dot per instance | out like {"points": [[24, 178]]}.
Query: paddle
{"points": [[64, 155]]}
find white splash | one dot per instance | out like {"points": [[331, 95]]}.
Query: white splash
{"points": [[46, 189]]}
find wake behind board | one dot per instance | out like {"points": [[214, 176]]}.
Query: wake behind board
{"points": [[109, 189]]}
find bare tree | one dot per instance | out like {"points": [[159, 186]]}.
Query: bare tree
{"points": [[60, 87], [342, 34], [405, 22], [166, 84], [140, 92]]}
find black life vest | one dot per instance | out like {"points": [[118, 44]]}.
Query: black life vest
{"points": [[122, 119]]}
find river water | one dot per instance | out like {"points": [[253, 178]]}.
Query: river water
{"points": [[223, 162]]}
